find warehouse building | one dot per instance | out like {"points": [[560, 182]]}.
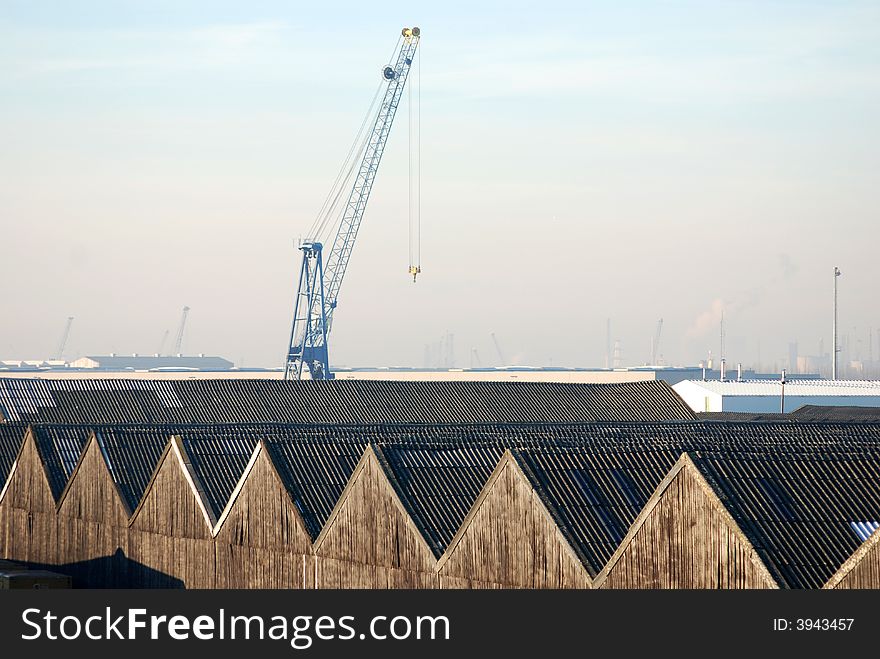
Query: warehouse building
{"points": [[430, 485], [771, 396], [136, 362], [445, 505]]}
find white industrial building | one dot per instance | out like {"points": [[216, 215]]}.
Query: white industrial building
{"points": [[768, 395], [135, 362]]}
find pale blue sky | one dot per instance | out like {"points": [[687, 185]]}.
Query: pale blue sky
{"points": [[579, 161]]}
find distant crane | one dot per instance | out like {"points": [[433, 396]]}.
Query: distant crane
{"points": [[318, 291], [178, 342], [59, 352], [475, 359], [498, 350], [655, 343], [164, 341]]}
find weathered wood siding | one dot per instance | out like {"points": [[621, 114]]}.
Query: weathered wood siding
{"points": [[93, 525], [510, 541], [169, 538], [685, 539], [29, 510], [262, 541], [369, 540], [461, 583]]}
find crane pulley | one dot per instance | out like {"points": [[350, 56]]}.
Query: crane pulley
{"points": [[319, 281]]}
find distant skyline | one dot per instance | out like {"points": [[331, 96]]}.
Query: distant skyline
{"points": [[579, 163]]}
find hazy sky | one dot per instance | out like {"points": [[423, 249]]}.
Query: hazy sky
{"points": [[580, 161]]}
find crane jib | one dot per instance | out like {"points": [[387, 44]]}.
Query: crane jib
{"points": [[320, 282]]}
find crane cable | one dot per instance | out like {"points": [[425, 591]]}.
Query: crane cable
{"points": [[319, 224], [415, 180], [329, 215]]}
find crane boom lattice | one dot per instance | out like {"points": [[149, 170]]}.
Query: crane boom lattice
{"points": [[319, 283], [178, 342], [59, 352]]}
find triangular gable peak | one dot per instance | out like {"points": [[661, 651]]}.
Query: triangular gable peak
{"points": [[371, 525], [260, 539], [261, 476], [804, 514], [732, 563], [27, 485], [172, 479], [15, 453], [28, 524], [862, 569], [91, 487], [488, 549], [11, 438]]}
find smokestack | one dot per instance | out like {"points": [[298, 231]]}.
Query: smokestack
{"points": [[608, 343], [739, 372], [722, 369], [782, 395]]}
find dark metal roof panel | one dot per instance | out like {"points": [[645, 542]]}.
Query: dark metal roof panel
{"points": [[441, 482], [798, 510], [840, 413], [11, 437], [132, 455], [219, 460], [60, 448], [315, 471], [334, 402]]}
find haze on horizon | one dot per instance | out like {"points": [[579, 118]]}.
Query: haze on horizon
{"points": [[670, 160]]}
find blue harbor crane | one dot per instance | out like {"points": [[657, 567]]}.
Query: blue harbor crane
{"points": [[320, 281]]}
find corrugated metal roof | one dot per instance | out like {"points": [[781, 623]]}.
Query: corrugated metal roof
{"points": [[797, 510], [792, 387], [745, 416], [132, 454], [315, 471], [219, 460], [337, 401], [440, 481], [838, 413], [11, 436], [595, 478], [60, 448], [864, 529]]}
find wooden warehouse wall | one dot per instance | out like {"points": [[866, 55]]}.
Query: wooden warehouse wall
{"points": [[510, 540], [170, 533], [862, 569], [370, 540], [27, 509], [262, 541], [685, 538], [92, 524]]}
